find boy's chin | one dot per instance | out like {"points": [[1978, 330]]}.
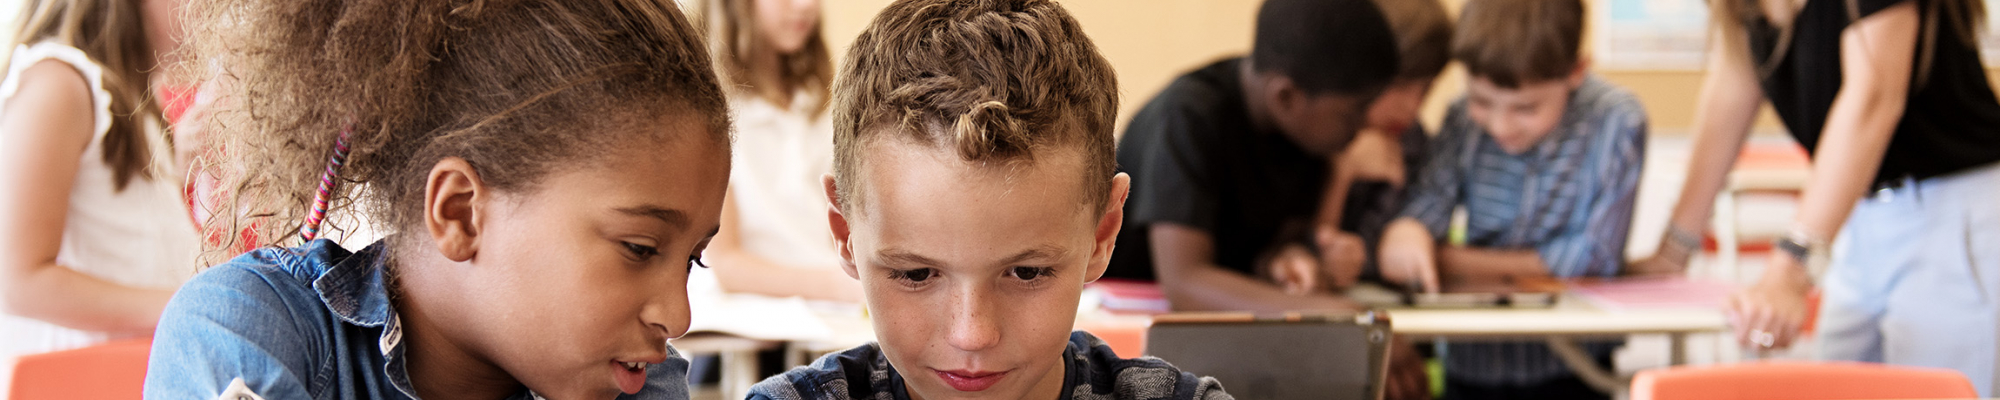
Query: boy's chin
{"points": [[937, 390], [1517, 148], [1017, 383]]}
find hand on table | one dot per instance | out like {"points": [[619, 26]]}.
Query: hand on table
{"points": [[1409, 255], [1338, 266], [1770, 314], [1295, 270], [1341, 256]]}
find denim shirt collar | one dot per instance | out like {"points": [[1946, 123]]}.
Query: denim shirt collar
{"points": [[355, 287]]}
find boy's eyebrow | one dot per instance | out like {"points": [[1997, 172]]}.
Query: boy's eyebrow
{"points": [[675, 218], [1043, 252], [905, 257]]}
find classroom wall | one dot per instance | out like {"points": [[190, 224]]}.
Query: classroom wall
{"points": [[1149, 42], [1152, 41]]}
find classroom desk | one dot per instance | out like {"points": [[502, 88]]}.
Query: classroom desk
{"points": [[1124, 332], [739, 358], [1571, 319]]}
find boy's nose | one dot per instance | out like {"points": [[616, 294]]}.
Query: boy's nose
{"points": [[1508, 130], [973, 326], [1501, 128]]}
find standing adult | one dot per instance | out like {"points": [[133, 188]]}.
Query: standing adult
{"points": [[1891, 100]]}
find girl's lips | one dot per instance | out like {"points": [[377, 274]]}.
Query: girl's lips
{"points": [[970, 381]]}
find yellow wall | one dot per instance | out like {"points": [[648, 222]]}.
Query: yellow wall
{"points": [[1152, 41]]}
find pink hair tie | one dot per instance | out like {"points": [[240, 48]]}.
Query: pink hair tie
{"points": [[326, 185]]}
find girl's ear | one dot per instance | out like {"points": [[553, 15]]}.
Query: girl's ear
{"points": [[453, 197], [838, 222]]}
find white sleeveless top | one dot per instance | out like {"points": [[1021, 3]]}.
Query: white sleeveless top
{"points": [[141, 236], [775, 169], [774, 178]]}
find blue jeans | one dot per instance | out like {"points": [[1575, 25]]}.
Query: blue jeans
{"points": [[1914, 276]]}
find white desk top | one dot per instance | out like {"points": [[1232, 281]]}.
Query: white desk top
{"points": [[1572, 316], [1518, 323]]}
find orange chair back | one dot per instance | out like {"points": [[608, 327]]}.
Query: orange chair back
{"points": [[1126, 337], [110, 371], [1801, 381]]}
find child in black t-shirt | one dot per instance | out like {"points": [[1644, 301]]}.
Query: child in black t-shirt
{"points": [[1229, 154]]}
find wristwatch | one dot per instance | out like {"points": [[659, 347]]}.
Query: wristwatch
{"points": [[1680, 245], [1810, 252]]}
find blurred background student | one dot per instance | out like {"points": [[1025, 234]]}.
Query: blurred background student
{"points": [[1232, 155], [775, 66], [1893, 103], [1366, 189], [93, 236], [1544, 158]]}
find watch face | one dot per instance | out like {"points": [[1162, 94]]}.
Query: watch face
{"points": [[1798, 250]]}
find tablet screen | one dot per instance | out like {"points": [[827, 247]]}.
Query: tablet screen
{"points": [[1279, 358]]}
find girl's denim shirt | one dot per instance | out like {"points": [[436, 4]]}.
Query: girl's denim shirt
{"points": [[310, 322]]}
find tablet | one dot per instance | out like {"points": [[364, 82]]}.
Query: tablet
{"points": [[1340, 356], [1520, 293], [1480, 300]]}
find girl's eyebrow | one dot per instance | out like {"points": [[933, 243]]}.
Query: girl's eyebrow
{"points": [[674, 218]]}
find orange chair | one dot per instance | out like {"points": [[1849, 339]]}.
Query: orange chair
{"points": [[1126, 337], [1801, 381], [110, 371]]}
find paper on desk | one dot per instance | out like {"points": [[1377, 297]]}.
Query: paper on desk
{"points": [[1653, 293], [748, 315]]}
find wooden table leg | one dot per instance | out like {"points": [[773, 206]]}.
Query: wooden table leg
{"points": [[739, 372], [1586, 368], [1676, 349]]}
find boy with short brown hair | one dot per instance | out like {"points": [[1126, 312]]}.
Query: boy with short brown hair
{"points": [[1545, 159], [974, 193]]}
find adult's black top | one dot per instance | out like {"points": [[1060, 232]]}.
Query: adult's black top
{"points": [[1951, 122]]}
